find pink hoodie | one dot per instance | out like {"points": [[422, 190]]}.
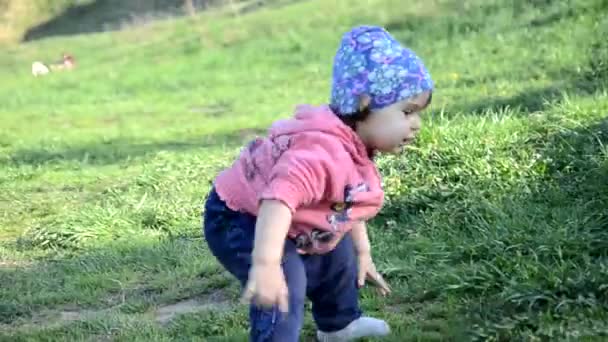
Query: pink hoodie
{"points": [[318, 167]]}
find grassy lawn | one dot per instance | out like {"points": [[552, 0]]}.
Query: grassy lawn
{"points": [[495, 226]]}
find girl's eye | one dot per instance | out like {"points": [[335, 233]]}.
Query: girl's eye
{"points": [[408, 111]]}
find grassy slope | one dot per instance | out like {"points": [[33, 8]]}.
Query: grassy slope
{"points": [[36, 19], [17, 16], [495, 220]]}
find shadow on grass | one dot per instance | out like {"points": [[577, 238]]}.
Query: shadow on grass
{"points": [[591, 78], [526, 252], [566, 82], [109, 15], [123, 149], [110, 276], [585, 78], [466, 19], [556, 259], [71, 297], [99, 16]]}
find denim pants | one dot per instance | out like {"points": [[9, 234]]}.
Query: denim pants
{"points": [[329, 280]]}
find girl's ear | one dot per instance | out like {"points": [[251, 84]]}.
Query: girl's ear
{"points": [[364, 101]]}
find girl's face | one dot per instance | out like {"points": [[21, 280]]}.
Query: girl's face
{"points": [[391, 128]]}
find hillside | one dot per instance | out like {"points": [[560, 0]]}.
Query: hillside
{"points": [[495, 222], [32, 20]]}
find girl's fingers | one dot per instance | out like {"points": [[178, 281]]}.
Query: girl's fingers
{"points": [[283, 301], [383, 285], [248, 293], [379, 281], [361, 278]]}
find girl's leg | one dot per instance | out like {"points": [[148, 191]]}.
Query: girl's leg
{"points": [[332, 286], [230, 237], [270, 324], [333, 290]]}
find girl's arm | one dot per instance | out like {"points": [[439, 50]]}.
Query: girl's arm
{"points": [[367, 269], [360, 238], [266, 284], [273, 222]]}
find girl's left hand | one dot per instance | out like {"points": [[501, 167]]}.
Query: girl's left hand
{"points": [[367, 270]]}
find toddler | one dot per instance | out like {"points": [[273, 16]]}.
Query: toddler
{"points": [[287, 219]]}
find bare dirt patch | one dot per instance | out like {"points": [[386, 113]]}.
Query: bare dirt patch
{"points": [[214, 301], [163, 314]]}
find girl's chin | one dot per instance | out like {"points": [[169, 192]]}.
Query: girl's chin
{"points": [[386, 148], [392, 149]]}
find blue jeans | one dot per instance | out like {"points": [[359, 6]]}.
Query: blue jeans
{"points": [[329, 280]]}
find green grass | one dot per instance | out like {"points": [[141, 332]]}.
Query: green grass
{"points": [[39, 19], [495, 221]]}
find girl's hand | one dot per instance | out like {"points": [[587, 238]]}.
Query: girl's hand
{"points": [[367, 270], [266, 287]]}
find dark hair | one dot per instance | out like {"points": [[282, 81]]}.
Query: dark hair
{"points": [[351, 119], [428, 102]]}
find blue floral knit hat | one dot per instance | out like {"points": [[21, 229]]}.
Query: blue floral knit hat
{"points": [[370, 61]]}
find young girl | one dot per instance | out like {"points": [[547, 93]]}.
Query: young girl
{"points": [[287, 219]]}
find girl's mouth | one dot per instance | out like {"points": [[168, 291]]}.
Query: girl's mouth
{"points": [[407, 141]]}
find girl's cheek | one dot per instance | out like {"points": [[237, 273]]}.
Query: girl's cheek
{"points": [[378, 143], [387, 143]]}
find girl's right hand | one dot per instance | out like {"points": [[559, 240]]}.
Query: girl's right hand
{"points": [[266, 287]]}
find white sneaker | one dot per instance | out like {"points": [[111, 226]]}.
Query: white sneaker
{"points": [[359, 328]]}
